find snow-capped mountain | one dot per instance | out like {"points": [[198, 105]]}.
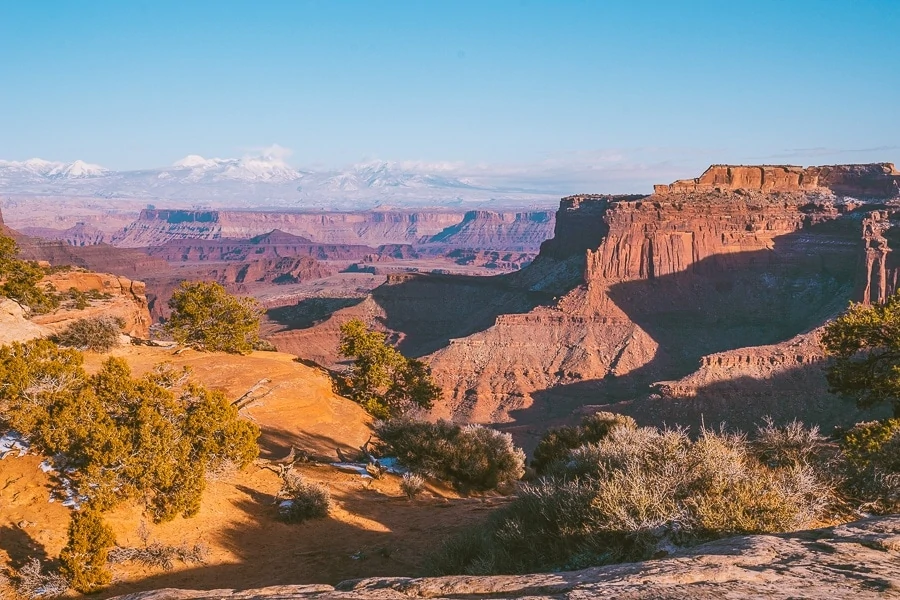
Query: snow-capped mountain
{"points": [[38, 168], [266, 180]]}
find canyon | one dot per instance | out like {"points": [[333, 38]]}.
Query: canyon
{"points": [[664, 306], [480, 229], [726, 273]]}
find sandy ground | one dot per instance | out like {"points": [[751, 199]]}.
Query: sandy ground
{"points": [[373, 529]]}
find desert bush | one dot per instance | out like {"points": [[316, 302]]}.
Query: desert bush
{"points": [[159, 555], [152, 438], [872, 465], [635, 491], [303, 500], [20, 279], [864, 345], [381, 380], [99, 334], [206, 317], [32, 581], [264, 346], [83, 560], [555, 445], [793, 444], [412, 484], [471, 458]]}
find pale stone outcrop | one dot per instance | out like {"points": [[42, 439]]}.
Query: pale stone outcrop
{"points": [[859, 560]]}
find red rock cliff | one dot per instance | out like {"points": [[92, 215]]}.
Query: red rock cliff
{"points": [[880, 180]]}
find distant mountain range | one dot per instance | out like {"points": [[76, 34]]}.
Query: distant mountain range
{"points": [[264, 181]]}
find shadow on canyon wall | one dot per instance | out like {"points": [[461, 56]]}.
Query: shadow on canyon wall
{"points": [[427, 311], [308, 312], [726, 302]]}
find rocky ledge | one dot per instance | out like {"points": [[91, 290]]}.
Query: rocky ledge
{"points": [[859, 560]]}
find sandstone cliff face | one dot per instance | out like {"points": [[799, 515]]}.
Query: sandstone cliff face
{"points": [[126, 299], [489, 230], [80, 234], [879, 180], [484, 229], [668, 282], [858, 560], [236, 250]]}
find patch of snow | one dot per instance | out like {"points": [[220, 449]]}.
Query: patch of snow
{"points": [[12, 441], [390, 464]]}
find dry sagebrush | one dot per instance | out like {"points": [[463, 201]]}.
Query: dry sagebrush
{"points": [[639, 491]]}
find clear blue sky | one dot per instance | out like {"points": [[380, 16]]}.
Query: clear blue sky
{"points": [[131, 84]]}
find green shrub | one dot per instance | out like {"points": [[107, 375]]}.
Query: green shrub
{"points": [[634, 492], [20, 279], [83, 560], [872, 469], [264, 346], [99, 334], [302, 500], [558, 442], [206, 317], [472, 458], [152, 438], [381, 380]]}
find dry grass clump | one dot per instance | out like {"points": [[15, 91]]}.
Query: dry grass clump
{"points": [[160, 555], [412, 484], [471, 458], [558, 442], [790, 445], [99, 334], [303, 500], [642, 490], [31, 581]]}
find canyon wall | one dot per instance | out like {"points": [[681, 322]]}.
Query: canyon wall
{"points": [[479, 229], [668, 283], [879, 180], [636, 290]]}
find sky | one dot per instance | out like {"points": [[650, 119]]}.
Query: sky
{"points": [[597, 91]]}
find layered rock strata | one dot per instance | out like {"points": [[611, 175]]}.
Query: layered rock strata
{"points": [[880, 180], [634, 290], [472, 229]]}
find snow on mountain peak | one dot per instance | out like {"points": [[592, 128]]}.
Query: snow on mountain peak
{"points": [[77, 170], [262, 176], [56, 170], [193, 161]]}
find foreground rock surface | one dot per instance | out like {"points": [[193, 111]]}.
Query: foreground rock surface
{"points": [[857, 560]]}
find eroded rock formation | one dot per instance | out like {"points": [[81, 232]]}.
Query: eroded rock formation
{"points": [[634, 290], [120, 297], [475, 229], [880, 180]]}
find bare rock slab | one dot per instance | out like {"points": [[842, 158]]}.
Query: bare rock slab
{"points": [[859, 560]]}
